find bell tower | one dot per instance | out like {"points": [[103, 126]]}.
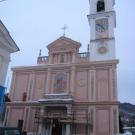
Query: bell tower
{"points": [[102, 20]]}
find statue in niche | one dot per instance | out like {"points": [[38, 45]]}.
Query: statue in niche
{"points": [[100, 5], [60, 83]]}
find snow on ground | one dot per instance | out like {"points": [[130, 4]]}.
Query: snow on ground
{"points": [[127, 133]]}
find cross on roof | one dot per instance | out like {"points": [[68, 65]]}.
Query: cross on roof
{"points": [[64, 29]]}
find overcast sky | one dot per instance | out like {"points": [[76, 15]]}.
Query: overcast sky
{"points": [[33, 24]]}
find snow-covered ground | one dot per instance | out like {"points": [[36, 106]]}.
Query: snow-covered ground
{"points": [[127, 133]]}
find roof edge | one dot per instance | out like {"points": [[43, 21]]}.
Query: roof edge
{"points": [[8, 37]]}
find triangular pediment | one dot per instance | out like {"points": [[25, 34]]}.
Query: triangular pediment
{"points": [[63, 44], [6, 40]]}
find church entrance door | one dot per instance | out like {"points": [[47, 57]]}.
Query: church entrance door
{"points": [[57, 127]]}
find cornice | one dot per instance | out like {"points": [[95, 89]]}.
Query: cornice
{"points": [[75, 103], [102, 39], [107, 103], [102, 14], [19, 103], [96, 64]]}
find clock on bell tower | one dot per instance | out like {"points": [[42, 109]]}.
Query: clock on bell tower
{"points": [[102, 20]]}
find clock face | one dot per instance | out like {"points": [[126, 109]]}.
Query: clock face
{"points": [[101, 25], [102, 50]]}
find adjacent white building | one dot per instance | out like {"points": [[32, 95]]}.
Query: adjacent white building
{"points": [[7, 46]]}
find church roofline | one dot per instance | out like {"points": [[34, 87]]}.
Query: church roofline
{"points": [[78, 45]]}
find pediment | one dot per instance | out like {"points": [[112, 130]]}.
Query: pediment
{"points": [[6, 40], [64, 44]]}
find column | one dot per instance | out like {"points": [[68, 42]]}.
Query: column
{"points": [[68, 129], [48, 81], [69, 110], [72, 83], [40, 129]]}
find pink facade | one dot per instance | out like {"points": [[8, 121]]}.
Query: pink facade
{"points": [[65, 89]]}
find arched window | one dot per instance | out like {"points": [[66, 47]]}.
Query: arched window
{"points": [[60, 83], [100, 6]]}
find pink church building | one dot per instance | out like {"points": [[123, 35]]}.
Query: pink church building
{"points": [[70, 92]]}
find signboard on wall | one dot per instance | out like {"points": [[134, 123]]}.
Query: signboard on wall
{"points": [[2, 93]]}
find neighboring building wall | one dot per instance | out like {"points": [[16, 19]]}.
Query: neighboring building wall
{"points": [[7, 46], [4, 61]]}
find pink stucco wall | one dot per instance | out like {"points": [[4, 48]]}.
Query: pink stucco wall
{"points": [[15, 115], [20, 86], [92, 85], [39, 85], [102, 79], [81, 86]]}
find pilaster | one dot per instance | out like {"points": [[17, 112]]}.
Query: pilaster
{"points": [[72, 83], [31, 86], [47, 90], [92, 85], [50, 58], [8, 116], [28, 119], [73, 57], [12, 87], [25, 117]]}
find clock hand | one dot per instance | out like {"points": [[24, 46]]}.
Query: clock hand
{"points": [[101, 26]]}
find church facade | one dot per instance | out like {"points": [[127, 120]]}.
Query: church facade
{"points": [[70, 92]]}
